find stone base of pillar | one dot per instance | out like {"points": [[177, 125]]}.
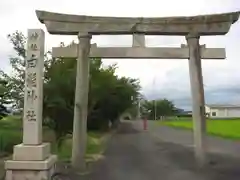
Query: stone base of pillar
{"points": [[31, 162]]}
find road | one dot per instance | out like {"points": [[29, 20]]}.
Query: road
{"points": [[185, 137], [134, 154]]}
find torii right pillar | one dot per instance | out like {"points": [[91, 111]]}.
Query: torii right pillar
{"points": [[198, 102]]}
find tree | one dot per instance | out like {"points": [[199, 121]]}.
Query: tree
{"points": [[58, 99], [3, 99], [112, 96], [160, 108], [16, 80], [106, 92]]}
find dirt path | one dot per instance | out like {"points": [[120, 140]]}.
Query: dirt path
{"points": [[136, 155]]}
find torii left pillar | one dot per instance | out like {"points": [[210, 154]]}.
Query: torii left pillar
{"points": [[32, 159], [81, 102]]}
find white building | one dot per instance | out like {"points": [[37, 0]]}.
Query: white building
{"points": [[222, 111]]}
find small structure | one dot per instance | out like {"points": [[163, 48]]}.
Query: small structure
{"points": [[216, 111], [184, 113]]}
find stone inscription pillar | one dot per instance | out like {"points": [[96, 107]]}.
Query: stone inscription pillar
{"points": [[198, 102], [32, 119], [32, 159], [81, 102]]}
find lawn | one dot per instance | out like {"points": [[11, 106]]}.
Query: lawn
{"points": [[95, 145], [11, 134], [224, 128]]}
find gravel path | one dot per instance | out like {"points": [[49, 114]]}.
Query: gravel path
{"points": [[134, 154]]}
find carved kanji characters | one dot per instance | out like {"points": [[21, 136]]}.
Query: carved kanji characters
{"points": [[31, 95], [32, 79], [32, 62], [30, 115], [34, 36], [34, 47]]}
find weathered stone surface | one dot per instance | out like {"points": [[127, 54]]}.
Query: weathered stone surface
{"points": [[81, 102], [32, 159], [32, 121], [30, 170], [31, 153], [31, 165], [140, 52], [198, 102], [216, 24], [138, 40]]}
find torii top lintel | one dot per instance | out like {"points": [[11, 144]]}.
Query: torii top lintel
{"points": [[215, 24]]}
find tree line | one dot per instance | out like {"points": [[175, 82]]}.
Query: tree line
{"points": [[109, 95], [158, 109]]}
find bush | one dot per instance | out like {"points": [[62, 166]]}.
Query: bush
{"points": [[8, 140], [184, 115], [10, 133], [126, 118]]}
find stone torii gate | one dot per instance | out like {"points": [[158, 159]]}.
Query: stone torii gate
{"points": [[32, 159], [190, 27]]}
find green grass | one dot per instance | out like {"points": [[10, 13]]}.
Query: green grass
{"points": [[11, 134], [94, 146], [224, 128]]}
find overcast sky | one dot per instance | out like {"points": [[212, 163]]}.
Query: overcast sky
{"points": [[159, 78]]}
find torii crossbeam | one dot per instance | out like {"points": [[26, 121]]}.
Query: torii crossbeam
{"points": [[214, 24], [139, 52]]}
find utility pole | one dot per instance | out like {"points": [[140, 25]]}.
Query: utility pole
{"points": [[139, 113], [155, 110], [154, 103]]}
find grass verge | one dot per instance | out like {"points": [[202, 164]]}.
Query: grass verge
{"points": [[225, 128], [11, 134], [95, 146]]}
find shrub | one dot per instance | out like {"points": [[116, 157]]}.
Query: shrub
{"points": [[8, 140]]}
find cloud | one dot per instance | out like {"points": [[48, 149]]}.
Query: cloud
{"points": [[221, 77], [159, 78]]}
